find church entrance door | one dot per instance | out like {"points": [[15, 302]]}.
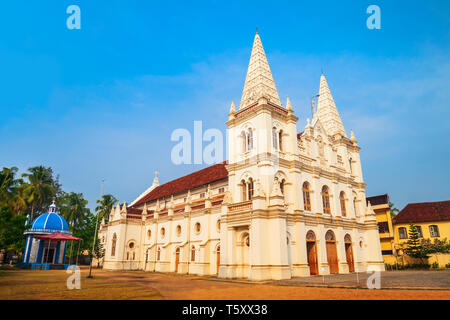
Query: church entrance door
{"points": [[331, 252], [311, 250], [349, 253]]}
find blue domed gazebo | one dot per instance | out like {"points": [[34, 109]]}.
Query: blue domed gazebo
{"points": [[46, 241]]}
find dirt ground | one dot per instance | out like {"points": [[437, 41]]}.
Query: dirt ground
{"points": [[50, 285]]}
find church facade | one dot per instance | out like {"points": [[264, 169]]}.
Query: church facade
{"points": [[285, 204]]}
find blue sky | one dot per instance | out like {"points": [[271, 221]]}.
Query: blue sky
{"points": [[102, 102]]}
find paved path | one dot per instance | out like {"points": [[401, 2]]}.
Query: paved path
{"points": [[389, 279]]}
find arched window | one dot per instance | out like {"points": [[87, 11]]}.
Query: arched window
{"points": [[329, 236], [244, 190], [310, 236], [250, 189], [249, 139], [402, 233], [197, 228], [326, 200], [274, 138], [243, 142], [113, 247], [342, 200], [434, 231], [347, 238], [306, 197], [193, 253], [280, 140]]}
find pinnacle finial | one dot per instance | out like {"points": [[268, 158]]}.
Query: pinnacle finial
{"points": [[156, 180], [352, 136], [288, 104], [232, 107]]}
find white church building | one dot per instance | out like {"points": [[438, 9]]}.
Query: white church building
{"points": [[285, 204]]}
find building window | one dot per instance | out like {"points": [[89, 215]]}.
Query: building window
{"points": [[113, 247], [178, 230], [383, 227], [250, 189], [434, 231], [249, 139], [244, 190], [306, 197], [163, 232], [342, 200], [193, 253], [247, 241], [274, 139], [149, 233], [158, 254], [202, 195], [221, 190], [326, 200], [280, 140], [197, 228], [218, 225], [131, 245], [419, 231], [402, 233]]}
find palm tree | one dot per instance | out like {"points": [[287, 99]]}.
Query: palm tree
{"points": [[7, 183], [39, 188], [393, 209], [104, 206], [73, 209]]}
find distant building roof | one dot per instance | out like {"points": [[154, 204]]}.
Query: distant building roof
{"points": [[376, 200], [424, 212], [195, 179]]}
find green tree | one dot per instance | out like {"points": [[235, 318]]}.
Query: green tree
{"points": [[414, 247], [40, 189], [73, 209], [99, 252], [12, 228], [104, 207], [393, 209]]}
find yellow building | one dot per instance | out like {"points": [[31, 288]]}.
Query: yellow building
{"points": [[380, 204], [432, 220]]}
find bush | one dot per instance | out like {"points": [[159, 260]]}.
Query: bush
{"points": [[447, 265], [435, 265]]}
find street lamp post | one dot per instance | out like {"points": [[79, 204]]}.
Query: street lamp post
{"points": [[95, 233]]}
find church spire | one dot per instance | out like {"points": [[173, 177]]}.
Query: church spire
{"points": [[327, 111], [259, 81]]}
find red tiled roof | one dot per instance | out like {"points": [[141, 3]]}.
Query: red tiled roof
{"points": [[424, 212], [195, 179]]}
